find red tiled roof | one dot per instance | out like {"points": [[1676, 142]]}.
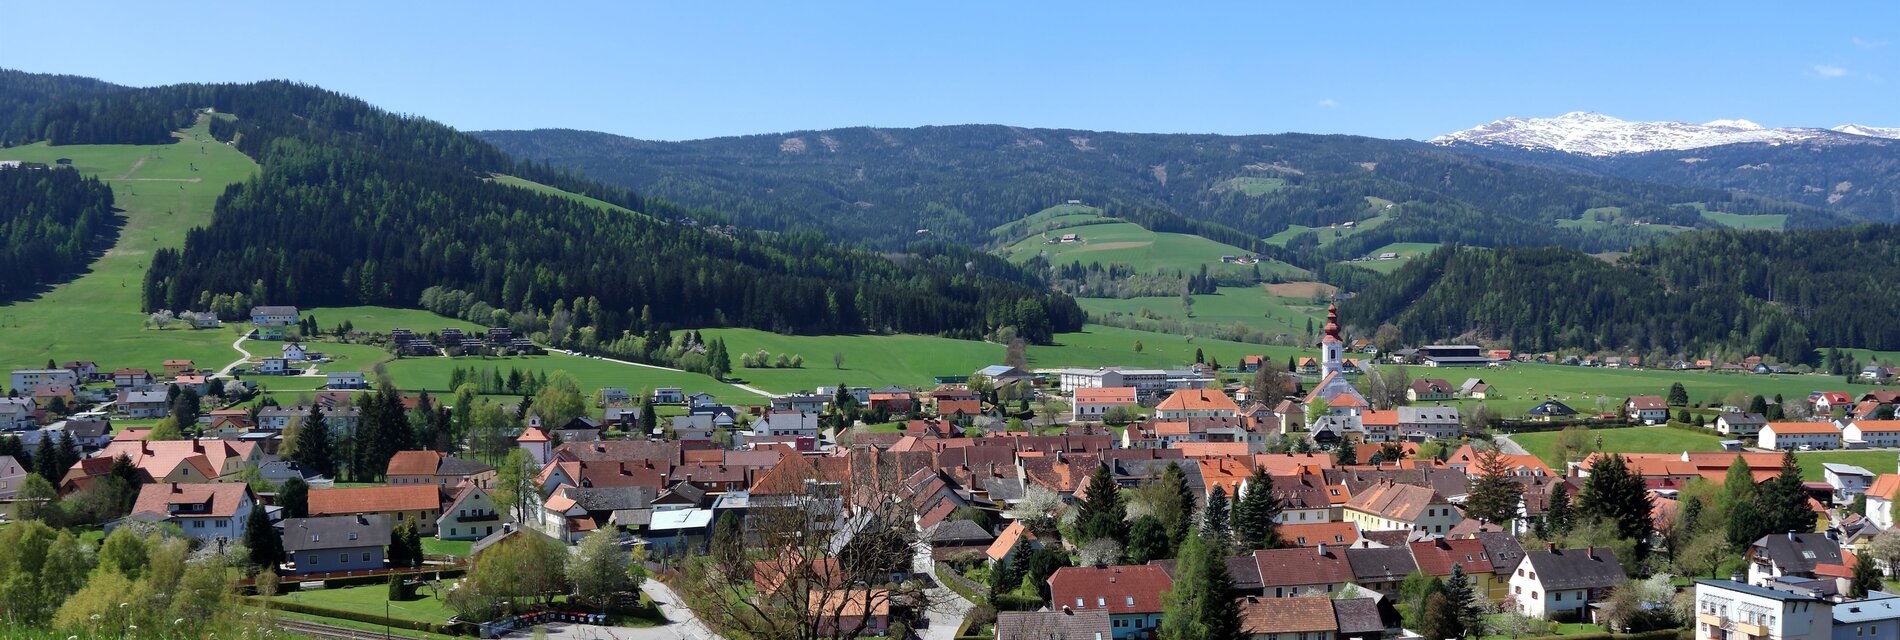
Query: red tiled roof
{"points": [[1296, 567], [222, 499], [1003, 543], [1787, 428], [1306, 614], [329, 502], [1118, 589], [414, 463], [1198, 400], [1436, 557], [1885, 486]]}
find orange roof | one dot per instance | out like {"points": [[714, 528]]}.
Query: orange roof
{"points": [[177, 363], [1371, 417], [533, 435], [1124, 395], [849, 605], [414, 463], [329, 502], [1814, 428], [1171, 428], [1003, 543], [1877, 426], [1291, 464], [221, 499], [1198, 400], [1313, 534], [1885, 486], [1348, 401], [1211, 449], [559, 501]]}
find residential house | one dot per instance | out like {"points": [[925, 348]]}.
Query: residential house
{"points": [[12, 473], [1847, 480], [1296, 618], [1739, 424], [805, 402], [613, 396], [1130, 594], [1861, 434], [1090, 403], [274, 367], [1438, 556], [1390, 506], [1799, 435], [211, 513], [1727, 609], [345, 380], [1646, 409], [277, 472], [1063, 624], [86, 370], [278, 315], [1287, 573], [1554, 581], [31, 380], [1016, 537], [669, 395], [1001, 375], [787, 423], [177, 367], [1880, 498], [1825, 402], [144, 404], [336, 543], [893, 400], [679, 531], [132, 379], [1432, 422], [955, 401], [850, 611], [693, 427], [1876, 616], [18, 413], [1791, 554], [1196, 403], [471, 515], [294, 351], [1552, 410], [1381, 569], [422, 503], [1430, 390], [1475, 388], [435, 468]]}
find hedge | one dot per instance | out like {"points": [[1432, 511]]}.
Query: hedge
{"points": [[357, 616]]}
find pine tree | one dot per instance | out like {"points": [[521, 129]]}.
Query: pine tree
{"points": [[1866, 577], [1148, 540], [1462, 598], [1782, 502], [1101, 514], [1201, 605], [1614, 493], [266, 545], [1557, 518], [1214, 519], [1440, 618], [1346, 453], [1493, 496], [313, 444], [1256, 512], [295, 498], [1005, 576], [46, 461], [1738, 501]]}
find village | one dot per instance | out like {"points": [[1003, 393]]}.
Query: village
{"points": [[1336, 509]]}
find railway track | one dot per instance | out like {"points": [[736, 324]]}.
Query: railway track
{"points": [[328, 632]]}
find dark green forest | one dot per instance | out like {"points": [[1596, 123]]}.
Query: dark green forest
{"points": [[24, 96], [1855, 180], [359, 206], [53, 222], [881, 185], [1752, 292]]}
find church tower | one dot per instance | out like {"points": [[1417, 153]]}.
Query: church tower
{"points": [[1331, 350]]}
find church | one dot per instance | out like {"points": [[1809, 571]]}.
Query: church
{"points": [[1340, 396]]}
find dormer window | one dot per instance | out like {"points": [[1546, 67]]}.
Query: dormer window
{"points": [[352, 535]]}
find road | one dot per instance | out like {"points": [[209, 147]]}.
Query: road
{"points": [[631, 363], [1507, 445], [684, 625], [239, 345]]}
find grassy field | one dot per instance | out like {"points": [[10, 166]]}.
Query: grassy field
{"points": [[1253, 306], [1875, 461], [1329, 235], [382, 319], [1058, 216], [372, 599], [1130, 244], [1623, 440], [433, 374], [1405, 250], [1518, 387], [545, 189], [163, 190]]}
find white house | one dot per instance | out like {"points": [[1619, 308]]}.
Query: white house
{"points": [[210, 512], [1559, 580], [1739, 424], [472, 515], [293, 351], [1848, 480], [1728, 609], [669, 395], [1389, 506], [1880, 498], [1795, 435], [27, 381], [1090, 403], [346, 380], [273, 366], [1871, 433], [1647, 409], [787, 423], [273, 315]]}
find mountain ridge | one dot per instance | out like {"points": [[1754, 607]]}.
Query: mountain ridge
{"points": [[1595, 134]]}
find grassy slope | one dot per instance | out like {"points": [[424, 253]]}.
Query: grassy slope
{"points": [[1127, 243], [542, 188], [96, 317], [1251, 305], [1666, 440], [1406, 251], [1517, 388], [433, 374], [382, 319]]}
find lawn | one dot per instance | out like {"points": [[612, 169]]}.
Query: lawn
{"points": [[545, 189], [1405, 250], [1518, 387], [433, 374], [1875, 461], [1055, 217], [371, 599], [348, 357], [1623, 440], [383, 319], [1129, 244], [434, 547], [163, 190], [1252, 306]]}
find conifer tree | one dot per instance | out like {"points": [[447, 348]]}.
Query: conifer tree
{"points": [[1201, 605], [1256, 513], [1739, 502], [1782, 502], [313, 450], [1101, 513], [1493, 496], [1613, 493], [1557, 517], [265, 543], [1214, 519]]}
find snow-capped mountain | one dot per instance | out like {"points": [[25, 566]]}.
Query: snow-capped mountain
{"points": [[1595, 134]]}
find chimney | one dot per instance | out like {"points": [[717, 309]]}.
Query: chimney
{"points": [[1322, 548], [1590, 552], [1738, 577], [1550, 547], [1791, 535]]}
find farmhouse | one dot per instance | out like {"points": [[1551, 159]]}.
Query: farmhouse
{"points": [[1647, 409]]}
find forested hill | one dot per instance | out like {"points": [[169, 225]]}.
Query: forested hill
{"points": [[957, 182], [1859, 180], [359, 206], [1740, 292], [23, 96]]}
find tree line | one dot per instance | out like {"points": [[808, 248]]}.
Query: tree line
{"points": [[52, 223]]}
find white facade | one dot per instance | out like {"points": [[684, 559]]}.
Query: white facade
{"points": [[1883, 435], [1848, 480], [346, 380], [1880, 511], [27, 381], [1727, 609], [1799, 437], [787, 423]]}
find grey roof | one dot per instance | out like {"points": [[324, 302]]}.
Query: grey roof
{"points": [[1765, 592], [1428, 415], [1503, 548], [1743, 418], [1381, 565], [1357, 615], [273, 310], [1797, 553], [687, 491], [453, 466], [1553, 408], [612, 498], [507, 531], [88, 428], [1053, 625], [1877, 606], [1245, 572], [333, 532], [1004, 489], [1576, 568], [632, 517], [959, 531]]}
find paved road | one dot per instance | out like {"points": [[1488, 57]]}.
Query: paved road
{"points": [[1507, 445], [684, 625], [239, 345], [947, 609]]}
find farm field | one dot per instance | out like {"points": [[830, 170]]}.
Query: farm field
{"points": [[371, 600], [1518, 387], [1253, 306], [162, 190], [545, 189], [433, 375], [1061, 215], [1130, 244], [1623, 440], [1405, 250], [383, 319], [1328, 235]]}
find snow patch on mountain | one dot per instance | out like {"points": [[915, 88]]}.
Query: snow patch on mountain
{"points": [[1595, 134]]}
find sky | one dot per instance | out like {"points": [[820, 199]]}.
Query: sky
{"points": [[687, 70]]}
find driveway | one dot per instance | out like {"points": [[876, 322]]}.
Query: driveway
{"points": [[1507, 445], [684, 625]]}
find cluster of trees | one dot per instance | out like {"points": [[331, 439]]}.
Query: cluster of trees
{"points": [[52, 223], [762, 359], [1761, 293], [383, 427], [492, 381], [140, 582], [105, 499], [527, 571], [24, 95]]}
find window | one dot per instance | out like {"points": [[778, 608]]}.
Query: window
{"points": [[1101, 602], [1131, 601], [197, 524], [343, 558], [1078, 603], [1533, 595], [352, 535], [1558, 596], [366, 556]]}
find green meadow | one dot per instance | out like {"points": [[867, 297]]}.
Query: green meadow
{"points": [[163, 190], [1253, 306], [1126, 243], [433, 374]]}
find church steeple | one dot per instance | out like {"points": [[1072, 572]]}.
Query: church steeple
{"points": [[1331, 348]]}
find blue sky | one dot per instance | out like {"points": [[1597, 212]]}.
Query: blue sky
{"points": [[684, 70]]}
